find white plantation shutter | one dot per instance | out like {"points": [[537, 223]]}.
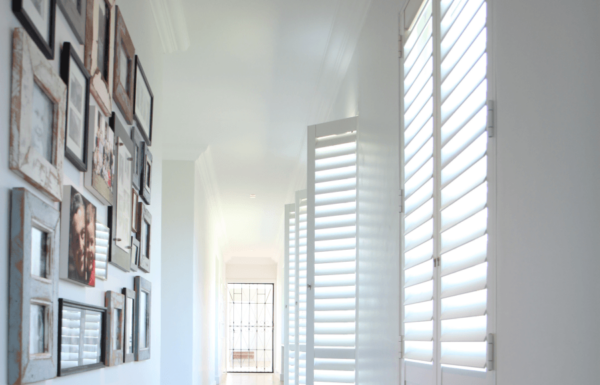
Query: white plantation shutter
{"points": [[302, 281], [102, 235], [332, 257], [290, 294], [445, 167]]}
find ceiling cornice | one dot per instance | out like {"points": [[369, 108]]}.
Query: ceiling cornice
{"points": [[170, 22], [343, 38]]}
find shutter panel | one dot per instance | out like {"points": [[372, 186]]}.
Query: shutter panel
{"points": [[464, 188], [419, 185], [102, 235], [332, 224], [300, 226], [290, 294]]}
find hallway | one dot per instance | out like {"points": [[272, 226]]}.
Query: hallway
{"points": [[250, 379]]}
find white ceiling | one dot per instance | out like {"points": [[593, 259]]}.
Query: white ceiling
{"points": [[255, 74]]}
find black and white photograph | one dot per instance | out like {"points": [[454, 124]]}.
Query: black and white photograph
{"points": [[75, 13], [77, 78], [144, 102], [38, 17], [99, 177]]}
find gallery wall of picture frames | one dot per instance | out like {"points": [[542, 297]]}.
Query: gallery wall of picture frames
{"points": [[96, 112]]}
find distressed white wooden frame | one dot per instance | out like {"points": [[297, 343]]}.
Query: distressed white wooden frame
{"points": [[113, 302]]}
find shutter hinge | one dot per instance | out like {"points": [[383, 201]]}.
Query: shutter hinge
{"points": [[401, 346], [309, 287], [437, 262], [401, 46], [491, 118], [401, 200], [490, 352]]}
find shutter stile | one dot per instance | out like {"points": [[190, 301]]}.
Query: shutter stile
{"points": [[290, 266], [334, 245], [300, 251]]}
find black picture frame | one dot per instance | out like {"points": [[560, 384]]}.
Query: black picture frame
{"points": [[84, 307], [68, 53], [138, 155], [47, 47], [129, 294], [75, 15], [139, 70], [146, 187], [117, 256]]}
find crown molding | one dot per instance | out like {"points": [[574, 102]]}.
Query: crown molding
{"points": [[169, 16]]}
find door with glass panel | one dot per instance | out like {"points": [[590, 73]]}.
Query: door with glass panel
{"points": [[250, 315], [447, 295]]}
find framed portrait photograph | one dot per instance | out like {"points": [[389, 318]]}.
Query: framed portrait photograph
{"points": [[37, 118], [120, 213], [144, 235], [129, 338], [33, 288], [75, 13], [38, 17], [115, 328], [146, 188], [78, 239], [81, 333], [99, 50], [135, 253], [102, 236], [138, 158], [143, 106], [124, 69], [101, 154], [143, 292], [77, 79]]}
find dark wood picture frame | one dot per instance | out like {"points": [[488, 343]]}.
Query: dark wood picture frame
{"points": [[28, 289], [138, 163], [47, 47], [135, 253], [142, 285], [144, 235], [75, 15], [33, 74], [141, 79], [102, 336], [117, 255], [115, 327], [129, 294], [68, 53], [124, 93], [146, 187], [101, 84]]}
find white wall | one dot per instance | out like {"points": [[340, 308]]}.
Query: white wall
{"points": [[141, 28]]}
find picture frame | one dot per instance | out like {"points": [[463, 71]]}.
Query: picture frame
{"points": [[75, 13], [146, 187], [123, 82], [144, 235], [102, 237], [72, 315], [78, 239], [115, 328], [39, 20], [143, 325], [138, 164], [37, 118], [134, 210], [135, 254], [101, 157], [99, 50], [130, 307], [33, 288], [119, 214], [143, 105], [77, 79]]}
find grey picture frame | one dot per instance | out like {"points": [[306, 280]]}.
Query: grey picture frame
{"points": [[115, 337], [143, 286], [138, 155], [84, 308], [75, 15], [99, 130], [129, 295], [144, 235], [117, 256], [27, 290]]}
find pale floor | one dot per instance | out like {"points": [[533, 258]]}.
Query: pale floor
{"points": [[251, 379]]}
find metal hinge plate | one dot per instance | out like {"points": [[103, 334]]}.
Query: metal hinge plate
{"points": [[401, 46], [401, 201], [490, 352], [491, 126]]}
